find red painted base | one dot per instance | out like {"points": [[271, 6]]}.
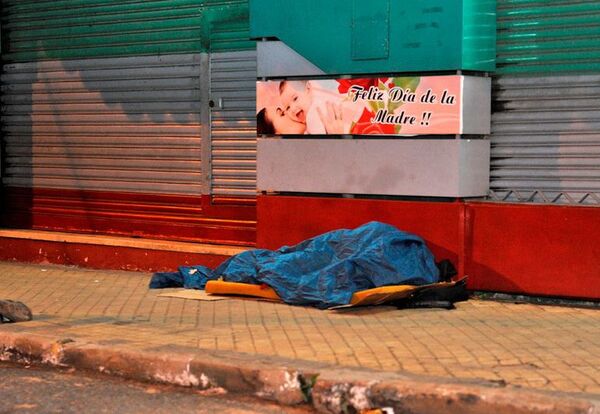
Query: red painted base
{"points": [[101, 257], [534, 249], [288, 220], [524, 249], [174, 217]]}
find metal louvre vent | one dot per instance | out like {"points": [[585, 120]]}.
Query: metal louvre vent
{"points": [[233, 123], [546, 139], [119, 124]]}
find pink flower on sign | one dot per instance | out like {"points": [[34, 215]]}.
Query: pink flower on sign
{"points": [[344, 85]]}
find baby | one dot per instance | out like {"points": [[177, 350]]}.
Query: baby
{"points": [[297, 102], [296, 99]]}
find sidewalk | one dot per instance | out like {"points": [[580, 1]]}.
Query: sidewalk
{"points": [[545, 348]]}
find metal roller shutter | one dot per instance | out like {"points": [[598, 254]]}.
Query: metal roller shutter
{"points": [[546, 121], [121, 124], [105, 117], [102, 95], [75, 29], [233, 123]]}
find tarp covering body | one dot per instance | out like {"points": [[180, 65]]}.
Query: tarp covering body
{"points": [[323, 271]]}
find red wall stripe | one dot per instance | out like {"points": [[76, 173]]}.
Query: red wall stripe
{"points": [[175, 217], [101, 257], [534, 249], [525, 249], [288, 220]]}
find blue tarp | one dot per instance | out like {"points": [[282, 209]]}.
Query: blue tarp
{"points": [[324, 271]]}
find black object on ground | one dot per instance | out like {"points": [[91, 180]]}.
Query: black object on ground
{"points": [[13, 311], [447, 270], [439, 304], [436, 296]]}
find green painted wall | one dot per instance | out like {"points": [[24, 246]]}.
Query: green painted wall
{"points": [[479, 33], [379, 36], [548, 36], [40, 30], [227, 25]]}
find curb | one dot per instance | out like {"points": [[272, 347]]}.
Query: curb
{"points": [[336, 390]]}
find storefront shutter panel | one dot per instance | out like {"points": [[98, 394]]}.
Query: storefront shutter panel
{"points": [[104, 116], [545, 140], [102, 95], [233, 123], [76, 29], [121, 124]]}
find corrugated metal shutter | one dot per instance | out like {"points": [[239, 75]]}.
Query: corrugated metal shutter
{"points": [[233, 123], [228, 24], [546, 121], [121, 124], [74, 29], [548, 36], [105, 116]]}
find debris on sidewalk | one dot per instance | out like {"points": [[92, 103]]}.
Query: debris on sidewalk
{"points": [[325, 271], [13, 311], [191, 294]]}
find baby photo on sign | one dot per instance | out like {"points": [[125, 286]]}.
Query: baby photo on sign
{"points": [[364, 106]]}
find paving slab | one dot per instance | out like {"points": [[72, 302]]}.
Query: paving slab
{"points": [[532, 347]]}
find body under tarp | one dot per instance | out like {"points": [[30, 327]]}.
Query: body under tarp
{"points": [[324, 271]]}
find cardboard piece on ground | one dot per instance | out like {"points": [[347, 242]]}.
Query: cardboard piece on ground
{"points": [[381, 295], [221, 287], [192, 294]]}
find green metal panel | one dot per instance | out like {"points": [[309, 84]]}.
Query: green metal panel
{"points": [[427, 35], [370, 29], [543, 37], [44, 30], [479, 33], [227, 26]]}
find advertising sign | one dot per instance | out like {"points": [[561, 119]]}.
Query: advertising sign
{"points": [[419, 105]]}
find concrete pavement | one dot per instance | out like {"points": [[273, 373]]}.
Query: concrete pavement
{"points": [[522, 347]]}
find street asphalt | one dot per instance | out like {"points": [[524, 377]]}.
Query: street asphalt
{"points": [[29, 389]]}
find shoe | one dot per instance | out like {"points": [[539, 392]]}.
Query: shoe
{"points": [[14, 311]]}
